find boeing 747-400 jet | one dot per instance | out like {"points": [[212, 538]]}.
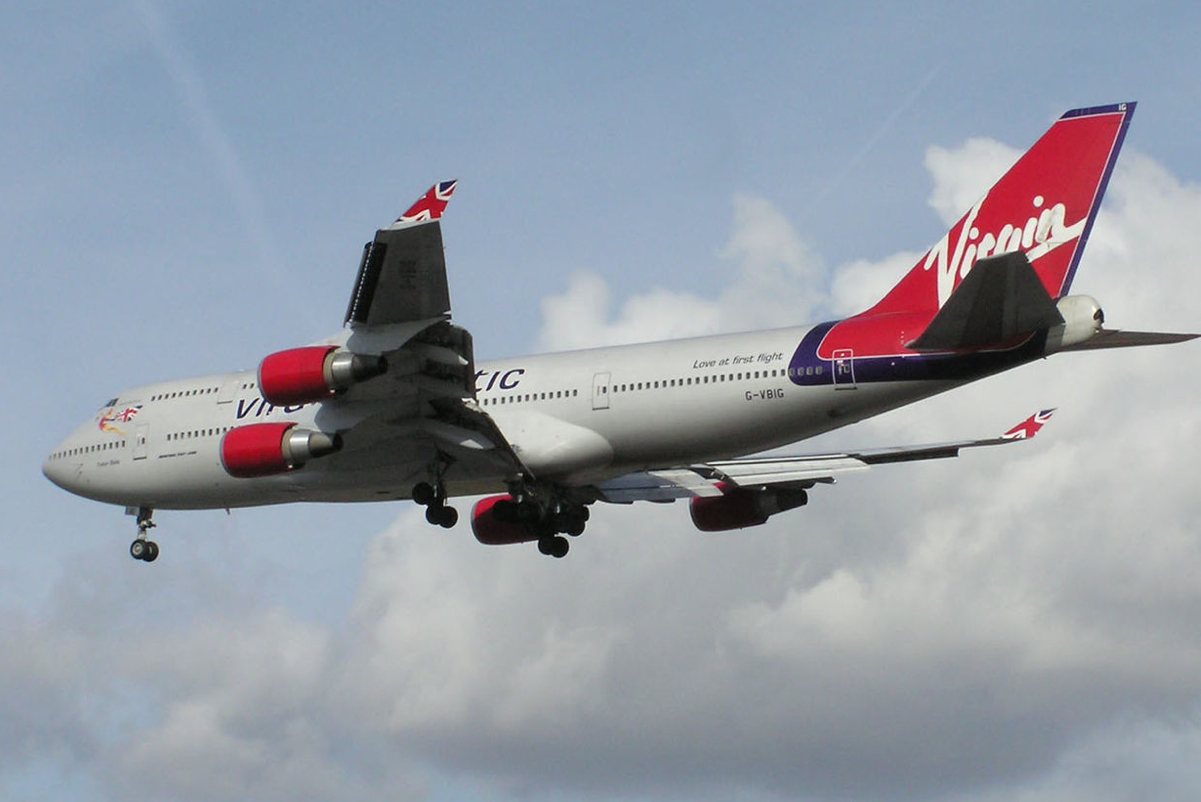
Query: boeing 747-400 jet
{"points": [[396, 407]]}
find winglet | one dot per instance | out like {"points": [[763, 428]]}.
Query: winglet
{"points": [[430, 205], [1029, 427]]}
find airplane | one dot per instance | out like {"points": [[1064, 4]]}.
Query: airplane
{"points": [[396, 407]]}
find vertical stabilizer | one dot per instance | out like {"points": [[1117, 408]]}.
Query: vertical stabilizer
{"points": [[1044, 206]]}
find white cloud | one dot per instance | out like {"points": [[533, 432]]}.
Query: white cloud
{"points": [[858, 285], [777, 281], [579, 318]]}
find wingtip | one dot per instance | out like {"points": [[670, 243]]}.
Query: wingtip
{"points": [[1029, 427]]}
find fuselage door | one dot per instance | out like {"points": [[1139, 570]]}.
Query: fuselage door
{"points": [[600, 391], [140, 436], [844, 369], [229, 389]]}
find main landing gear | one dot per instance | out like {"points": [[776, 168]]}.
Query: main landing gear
{"points": [[143, 549], [546, 521], [433, 498], [567, 519]]}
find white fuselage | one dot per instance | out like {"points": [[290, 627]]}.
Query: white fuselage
{"points": [[574, 418]]}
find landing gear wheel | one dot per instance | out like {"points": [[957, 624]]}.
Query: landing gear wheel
{"points": [[554, 546], [144, 550], [570, 521], [424, 494], [441, 515]]}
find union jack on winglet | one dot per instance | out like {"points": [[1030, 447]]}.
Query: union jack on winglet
{"points": [[431, 205], [1029, 427]]}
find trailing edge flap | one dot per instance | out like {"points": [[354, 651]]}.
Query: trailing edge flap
{"points": [[402, 277], [1001, 298]]}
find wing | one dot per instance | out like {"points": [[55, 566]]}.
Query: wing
{"points": [[422, 411], [712, 479], [402, 276]]}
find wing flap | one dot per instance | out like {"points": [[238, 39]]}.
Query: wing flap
{"points": [[787, 470], [664, 485]]}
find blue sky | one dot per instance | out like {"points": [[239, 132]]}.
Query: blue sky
{"points": [[187, 187]]}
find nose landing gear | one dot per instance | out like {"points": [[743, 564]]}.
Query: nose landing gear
{"points": [[143, 549]]}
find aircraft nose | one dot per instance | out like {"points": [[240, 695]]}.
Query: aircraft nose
{"points": [[54, 470], [61, 468]]}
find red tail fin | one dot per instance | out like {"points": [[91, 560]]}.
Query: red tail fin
{"points": [[1045, 206]]}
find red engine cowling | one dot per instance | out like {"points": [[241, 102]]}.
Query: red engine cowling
{"points": [[740, 507], [301, 375], [493, 530], [263, 449]]}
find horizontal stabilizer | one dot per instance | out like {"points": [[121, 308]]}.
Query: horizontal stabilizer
{"points": [[1000, 299], [1116, 338]]}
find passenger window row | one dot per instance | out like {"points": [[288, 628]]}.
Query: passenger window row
{"points": [[184, 393], [93, 449], [198, 433], [521, 398], [750, 375]]}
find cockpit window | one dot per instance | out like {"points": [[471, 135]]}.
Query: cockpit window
{"points": [[112, 402]]}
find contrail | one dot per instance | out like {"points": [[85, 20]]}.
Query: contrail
{"points": [[213, 138], [884, 128]]}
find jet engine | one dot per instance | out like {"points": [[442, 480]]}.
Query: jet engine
{"points": [[301, 375], [494, 527], [740, 507], [263, 449]]}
